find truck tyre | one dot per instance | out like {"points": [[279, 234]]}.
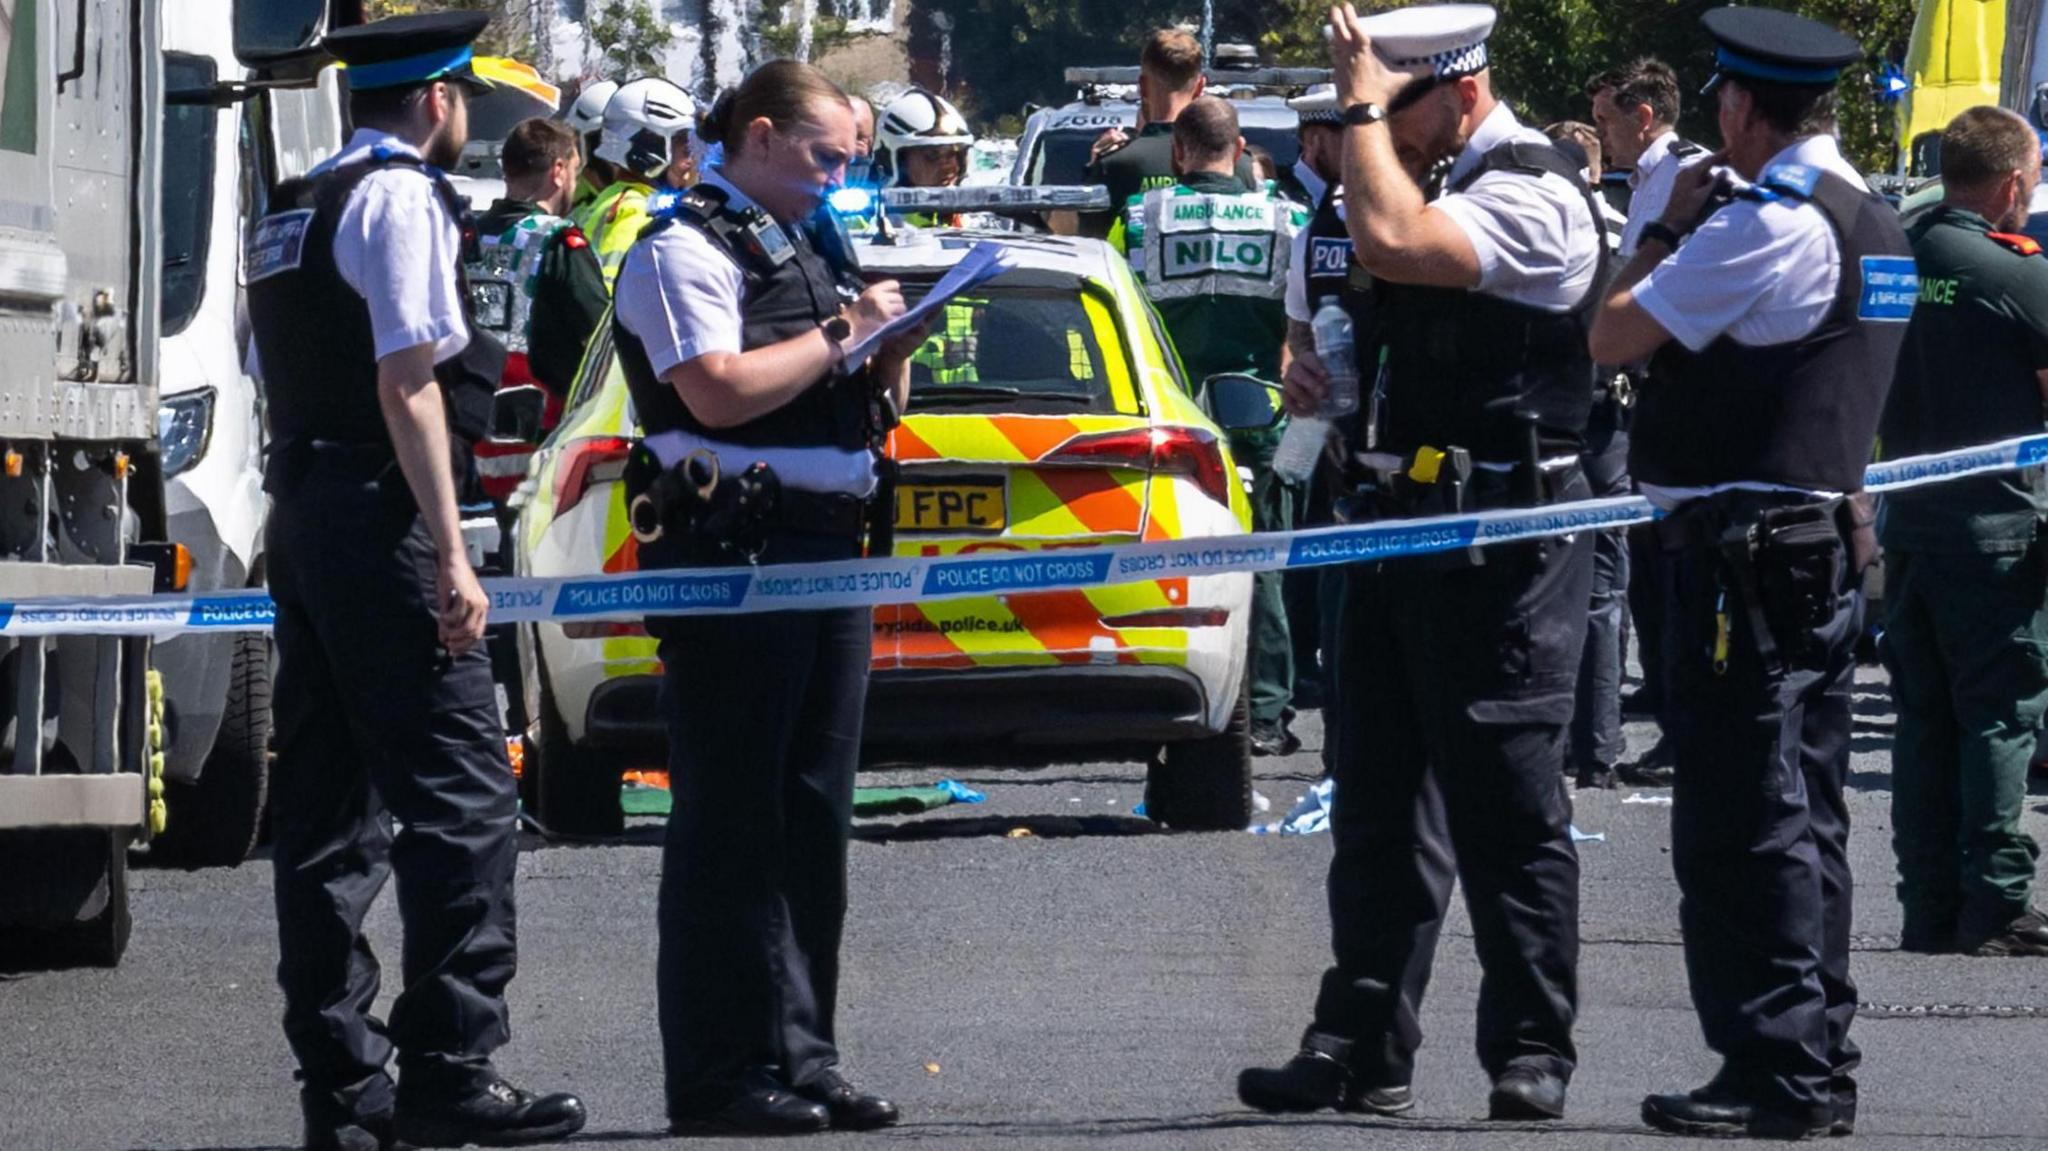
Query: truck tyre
{"points": [[74, 909], [1205, 784], [215, 821], [577, 792]]}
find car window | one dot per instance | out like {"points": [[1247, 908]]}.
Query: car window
{"points": [[1034, 350], [19, 83], [1283, 144], [1062, 157], [186, 206]]}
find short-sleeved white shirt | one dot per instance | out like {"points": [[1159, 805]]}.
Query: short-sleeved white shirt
{"points": [[1537, 241], [1760, 272], [399, 248], [679, 294], [1655, 172]]}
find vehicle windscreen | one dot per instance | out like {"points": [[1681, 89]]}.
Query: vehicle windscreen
{"points": [[1283, 143], [1062, 157], [187, 200], [1020, 350]]}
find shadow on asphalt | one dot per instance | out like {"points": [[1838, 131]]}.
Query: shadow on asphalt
{"points": [[1007, 827], [1240, 1121]]}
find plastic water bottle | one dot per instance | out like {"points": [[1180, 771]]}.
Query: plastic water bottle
{"points": [[1301, 445], [1338, 350]]}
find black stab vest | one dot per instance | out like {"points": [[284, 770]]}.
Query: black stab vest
{"points": [[312, 331], [1803, 414], [1331, 273], [778, 301], [1461, 365]]}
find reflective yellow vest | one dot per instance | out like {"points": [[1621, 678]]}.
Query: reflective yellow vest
{"points": [[614, 220]]}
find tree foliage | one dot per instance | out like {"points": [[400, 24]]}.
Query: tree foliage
{"points": [[1009, 52], [630, 35]]}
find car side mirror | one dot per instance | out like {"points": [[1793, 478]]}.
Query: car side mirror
{"points": [[1241, 403], [517, 413]]}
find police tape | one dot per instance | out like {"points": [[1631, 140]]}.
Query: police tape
{"points": [[916, 579]]}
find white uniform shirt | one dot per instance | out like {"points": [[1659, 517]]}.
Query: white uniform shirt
{"points": [[1758, 272], [680, 294], [398, 247], [1537, 241], [1655, 172]]}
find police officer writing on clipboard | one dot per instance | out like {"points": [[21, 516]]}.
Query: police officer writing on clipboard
{"points": [[384, 706], [1456, 673], [734, 315], [1775, 330]]}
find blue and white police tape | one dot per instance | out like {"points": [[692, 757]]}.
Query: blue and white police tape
{"points": [[904, 579]]}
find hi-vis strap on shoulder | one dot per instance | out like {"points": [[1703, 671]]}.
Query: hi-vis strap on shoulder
{"points": [[879, 582]]}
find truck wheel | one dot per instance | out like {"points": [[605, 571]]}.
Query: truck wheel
{"points": [[215, 820], [577, 792], [1205, 784], [72, 910]]}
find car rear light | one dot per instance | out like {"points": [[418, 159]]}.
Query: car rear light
{"points": [[1171, 617], [1173, 450], [604, 629], [593, 460]]}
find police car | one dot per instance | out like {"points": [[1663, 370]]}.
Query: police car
{"points": [[1056, 141], [1047, 410]]}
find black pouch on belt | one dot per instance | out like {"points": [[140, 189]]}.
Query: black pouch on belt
{"points": [[1802, 566]]}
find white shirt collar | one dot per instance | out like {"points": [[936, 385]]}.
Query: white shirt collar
{"points": [[738, 201], [1499, 127], [364, 141], [1822, 151], [1311, 183], [1652, 156]]}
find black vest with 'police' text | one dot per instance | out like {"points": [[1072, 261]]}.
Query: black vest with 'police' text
{"points": [[1802, 414], [789, 289], [312, 330], [1330, 271], [1470, 370]]}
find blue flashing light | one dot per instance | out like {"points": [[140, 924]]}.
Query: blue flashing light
{"points": [[1892, 84], [852, 201]]}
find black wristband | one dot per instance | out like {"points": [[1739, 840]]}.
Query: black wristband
{"points": [[1362, 113], [1661, 232]]}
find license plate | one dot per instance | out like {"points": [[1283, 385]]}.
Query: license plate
{"points": [[959, 506]]}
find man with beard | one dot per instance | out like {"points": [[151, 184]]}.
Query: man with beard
{"points": [[1456, 671], [378, 383]]}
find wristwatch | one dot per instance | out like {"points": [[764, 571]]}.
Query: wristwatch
{"points": [[1363, 113], [837, 329], [1661, 232]]}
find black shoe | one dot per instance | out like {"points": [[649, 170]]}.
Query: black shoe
{"points": [[1275, 740], [2027, 935], [1641, 702], [1657, 768], [761, 1107], [1313, 1081], [495, 1114], [1928, 938], [365, 1133], [1711, 1112], [1845, 1109], [1526, 1093], [1595, 777], [849, 1108]]}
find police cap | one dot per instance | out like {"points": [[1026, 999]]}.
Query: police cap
{"points": [[1318, 105], [404, 51], [1441, 41], [1777, 47]]}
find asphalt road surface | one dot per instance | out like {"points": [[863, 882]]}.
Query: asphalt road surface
{"points": [[1088, 981]]}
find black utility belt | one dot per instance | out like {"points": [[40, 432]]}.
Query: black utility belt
{"points": [[700, 509], [1431, 481]]}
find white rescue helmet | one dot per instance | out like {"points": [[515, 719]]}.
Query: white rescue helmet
{"points": [[917, 119], [641, 120], [586, 115]]}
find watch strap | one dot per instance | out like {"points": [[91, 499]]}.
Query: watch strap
{"points": [[1364, 112]]}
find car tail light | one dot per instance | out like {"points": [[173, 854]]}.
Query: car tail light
{"points": [[1171, 617], [1173, 450], [594, 460]]}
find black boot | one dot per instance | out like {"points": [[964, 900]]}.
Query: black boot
{"points": [[492, 1114], [2026, 935], [759, 1105], [849, 1108], [1597, 777], [1717, 1112], [350, 1121], [1313, 1081], [1657, 768], [1526, 1093]]}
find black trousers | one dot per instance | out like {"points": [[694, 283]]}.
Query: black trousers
{"points": [[1596, 739], [376, 723], [1457, 690], [1759, 826], [764, 719]]}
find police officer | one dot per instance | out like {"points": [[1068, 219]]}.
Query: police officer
{"points": [[646, 128], [1213, 259], [735, 315], [1776, 329], [1966, 598], [1456, 672], [1169, 79], [383, 704], [1635, 107], [1321, 268]]}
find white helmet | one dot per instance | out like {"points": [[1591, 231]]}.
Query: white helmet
{"points": [[917, 119], [586, 115], [640, 120]]}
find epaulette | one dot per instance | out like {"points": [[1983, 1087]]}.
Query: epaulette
{"points": [[573, 237], [2024, 245]]}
